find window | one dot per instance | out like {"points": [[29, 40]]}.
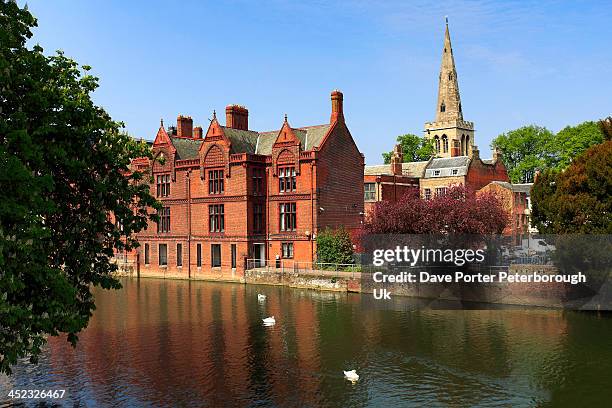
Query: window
{"points": [[369, 191], [216, 218], [444, 144], [163, 185], [455, 172], [442, 107], [163, 225], [428, 193], [163, 254], [179, 254], [286, 179], [436, 172], [215, 182], [450, 76], [287, 217], [440, 191], [199, 255], [215, 255], [234, 256], [258, 177], [287, 248], [147, 260], [258, 217], [437, 144]]}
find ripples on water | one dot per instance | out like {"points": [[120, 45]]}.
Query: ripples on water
{"points": [[175, 343]]}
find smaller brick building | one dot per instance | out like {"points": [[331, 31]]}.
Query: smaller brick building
{"points": [[515, 199], [389, 182]]}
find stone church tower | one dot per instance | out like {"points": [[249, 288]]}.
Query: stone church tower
{"points": [[452, 135]]}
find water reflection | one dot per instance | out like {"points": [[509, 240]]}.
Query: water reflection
{"points": [[176, 343]]}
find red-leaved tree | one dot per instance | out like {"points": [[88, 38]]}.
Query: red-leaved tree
{"points": [[458, 211]]}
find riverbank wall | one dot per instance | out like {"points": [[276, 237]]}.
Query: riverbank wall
{"points": [[553, 295]]}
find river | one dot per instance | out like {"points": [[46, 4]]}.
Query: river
{"points": [[181, 343]]}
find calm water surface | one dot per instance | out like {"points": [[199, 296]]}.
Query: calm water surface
{"points": [[177, 343]]}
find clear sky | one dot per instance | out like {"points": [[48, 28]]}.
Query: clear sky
{"points": [[518, 62]]}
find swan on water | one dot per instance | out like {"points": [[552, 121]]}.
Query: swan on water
{"points": [[269, 320], [351, 375], [261, 297]]}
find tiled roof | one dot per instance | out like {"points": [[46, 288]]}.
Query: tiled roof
{"points": [[186, 148], [518, 188], [243, 141]]}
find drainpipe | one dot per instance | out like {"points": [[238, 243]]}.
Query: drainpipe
{"points": [[188, 181], [312, 228]]}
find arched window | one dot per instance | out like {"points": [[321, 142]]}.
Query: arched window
{"points": [[437, 144], [444, 143], [463, 145], [442, 107], [450, 76], [467, 145]]}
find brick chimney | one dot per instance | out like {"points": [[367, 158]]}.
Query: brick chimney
{"points": [[237, 117], [184, 126], [337, 113], [456, 148], [396, 160], [197, 132]]}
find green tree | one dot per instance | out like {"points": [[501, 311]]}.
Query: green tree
{"points": [[570, 142], [414, 148], [64, 168], [523, 151], [334, 246], [577, 199]]}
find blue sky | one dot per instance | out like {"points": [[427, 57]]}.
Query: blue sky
{"points": [[519, 62]]}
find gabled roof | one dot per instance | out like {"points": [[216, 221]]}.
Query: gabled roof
{"points": [[309, 137], [186, 148], [243, 141]]}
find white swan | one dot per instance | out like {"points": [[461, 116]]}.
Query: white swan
{"points": [[269, 320], [261, 297], [351, 375]]}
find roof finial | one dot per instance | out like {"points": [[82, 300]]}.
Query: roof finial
{"points": [[446, 19], [214, 114], [285, 117], [161, 122]]}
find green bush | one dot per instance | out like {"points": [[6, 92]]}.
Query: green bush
{"points": [[334, 247]]}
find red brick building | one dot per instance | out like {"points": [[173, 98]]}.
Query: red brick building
{"points": [[515, 200], [231, 193]]}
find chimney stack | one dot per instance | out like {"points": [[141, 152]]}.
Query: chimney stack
{"points": [[475, 152], [456, 148], [396, 160], [497, 154], [197, 132], [237, 117], [337, 108], [184, 125]]}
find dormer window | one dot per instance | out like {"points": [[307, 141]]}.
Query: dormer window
{"points": [[436, 172], [286, 179], [215, 182], [455, 172], [163, 185]]}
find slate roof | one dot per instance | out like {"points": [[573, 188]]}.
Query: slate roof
{"points": [[249, 141], [186, 148], [411, 169], [448, 167]]}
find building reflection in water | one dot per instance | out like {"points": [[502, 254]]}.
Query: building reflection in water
{"points": [[196, 343]]}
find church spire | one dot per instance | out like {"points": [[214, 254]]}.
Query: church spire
{"points": [[449, 101]]}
